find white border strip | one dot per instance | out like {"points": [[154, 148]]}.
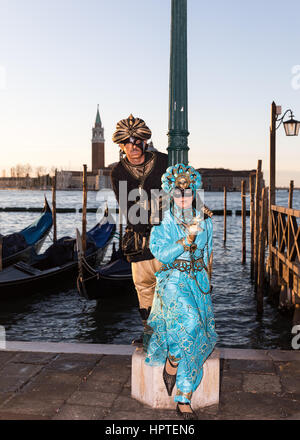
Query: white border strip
{"points": [[66, 347], [128, 350]]}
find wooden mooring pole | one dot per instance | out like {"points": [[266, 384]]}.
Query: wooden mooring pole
{"points": [[263, 230], [291, 190], [84, 187], [243, 197], [54, 206], [225, 211], [256, 219], [251, 190], [1, 251], [120, 228]]}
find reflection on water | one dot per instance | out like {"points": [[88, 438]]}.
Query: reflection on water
{"points": [[62, 315]]}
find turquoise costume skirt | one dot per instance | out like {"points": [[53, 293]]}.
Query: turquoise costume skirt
{"points": [[183, 327]]}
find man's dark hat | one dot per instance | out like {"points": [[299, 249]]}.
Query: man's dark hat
{"points": [[131, 127]]}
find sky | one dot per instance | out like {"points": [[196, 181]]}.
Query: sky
{"points": [[60, 58]]}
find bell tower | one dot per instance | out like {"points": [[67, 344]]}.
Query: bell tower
{"points": [[98, 144]]}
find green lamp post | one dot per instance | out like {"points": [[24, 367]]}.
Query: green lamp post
{"points": [[178, 111]]}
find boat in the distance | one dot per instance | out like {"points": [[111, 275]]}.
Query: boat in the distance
{"points": [[56, 267], [18, 246], [108, 280]]}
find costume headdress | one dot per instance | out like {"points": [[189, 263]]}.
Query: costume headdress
{"points": [[131, 127], [181, 176]]}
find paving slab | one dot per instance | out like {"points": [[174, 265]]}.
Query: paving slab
{"points": [[92, 384], [245, 354], [69, 366], [27, 403], [257, 406], [57, 377], [124, 402], [231, 382], [145, 414], [261, 383], [33, 358], [80, 412], [290, 384], [5, 357], [49, 391], [284, 355], [6, 415], [11, 383], [20, 370], [264, 366], [291, 368], [100, 375], [92, 398], [4, 397]]}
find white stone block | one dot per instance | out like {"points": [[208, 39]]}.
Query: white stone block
{"points": [[148, 387]]}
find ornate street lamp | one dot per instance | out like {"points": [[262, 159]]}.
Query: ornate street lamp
{"points": [[291, 128]]}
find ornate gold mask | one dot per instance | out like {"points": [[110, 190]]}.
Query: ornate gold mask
{"points": [[183, 181]]}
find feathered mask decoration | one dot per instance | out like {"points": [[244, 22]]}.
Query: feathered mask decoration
{"points": [[181, 176]]}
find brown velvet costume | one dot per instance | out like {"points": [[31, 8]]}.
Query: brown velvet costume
{"points": [[146, 176]]}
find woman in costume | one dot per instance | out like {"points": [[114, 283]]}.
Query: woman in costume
{"points": [[182, 316]]}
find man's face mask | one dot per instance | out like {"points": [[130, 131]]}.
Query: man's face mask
{"points": [[137, 142]]}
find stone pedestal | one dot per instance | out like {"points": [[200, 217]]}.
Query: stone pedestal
{"points": [[148, 387]]}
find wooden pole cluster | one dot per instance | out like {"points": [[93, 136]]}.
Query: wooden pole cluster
{"points": [[243, 197], [84, 187], [225, 211]]}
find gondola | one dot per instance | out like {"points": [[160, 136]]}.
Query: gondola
{"points": [[56, 267], [18, 246], [109, 280]]}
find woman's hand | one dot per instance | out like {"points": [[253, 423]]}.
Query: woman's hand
{"points": [[190, 238]]}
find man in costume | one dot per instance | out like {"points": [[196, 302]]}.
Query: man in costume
{"points": [[141, 171], [182, 316]]}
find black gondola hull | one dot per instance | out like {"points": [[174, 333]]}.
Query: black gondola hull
{"points": [[43, 282], [97, 287]]}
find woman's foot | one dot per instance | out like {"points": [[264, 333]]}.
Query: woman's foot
{"points": [[185, 411], [169, 375]]}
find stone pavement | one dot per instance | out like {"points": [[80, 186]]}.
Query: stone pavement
{"points": [[255, 384]]}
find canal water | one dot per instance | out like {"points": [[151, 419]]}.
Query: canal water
{"points": [[60, 315]]}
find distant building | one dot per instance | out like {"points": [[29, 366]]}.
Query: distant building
{"points": [[214, 179], [98, 145], [99, 177]]}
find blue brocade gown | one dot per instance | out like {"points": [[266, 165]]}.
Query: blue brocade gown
{"points": [[182, 316]]}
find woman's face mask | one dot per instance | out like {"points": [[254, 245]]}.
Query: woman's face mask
{"points": [[183, 198]]}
